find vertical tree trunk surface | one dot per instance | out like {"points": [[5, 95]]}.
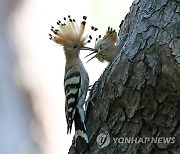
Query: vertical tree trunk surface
{"points": [[138, 95]]}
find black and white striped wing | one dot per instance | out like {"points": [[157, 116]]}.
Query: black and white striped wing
{"points": [[72, 84]]}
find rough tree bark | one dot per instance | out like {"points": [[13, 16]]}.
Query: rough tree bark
{"points": [[138, 94]]}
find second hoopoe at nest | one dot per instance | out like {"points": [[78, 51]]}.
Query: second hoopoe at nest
{"points": [[106, 48], [71, 36]]}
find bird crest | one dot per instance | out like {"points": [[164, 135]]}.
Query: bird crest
{"points": [[69, 31], [110, 35]]}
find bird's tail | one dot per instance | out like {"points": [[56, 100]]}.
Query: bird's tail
{"points": [[81, 138]]}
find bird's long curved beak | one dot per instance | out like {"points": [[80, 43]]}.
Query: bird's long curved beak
{"points": [[91, 58], [90, 49], [87, 48], [91, 53], [95, 52]]}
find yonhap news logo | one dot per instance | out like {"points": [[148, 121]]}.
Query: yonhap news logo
{"points": [[144, 140], [104, 139]]}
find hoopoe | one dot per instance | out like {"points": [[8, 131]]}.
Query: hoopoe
{"points": [[105, 48], [76, 81]]}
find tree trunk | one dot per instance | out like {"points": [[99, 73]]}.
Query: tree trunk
{"points": [[138, 94]]}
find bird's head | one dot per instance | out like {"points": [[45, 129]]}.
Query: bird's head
{"points": [[71, 36], [104, 50], [104, 47]]}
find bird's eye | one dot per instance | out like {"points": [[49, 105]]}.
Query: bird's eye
{"points": [[75, 46], [100, 47]]}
